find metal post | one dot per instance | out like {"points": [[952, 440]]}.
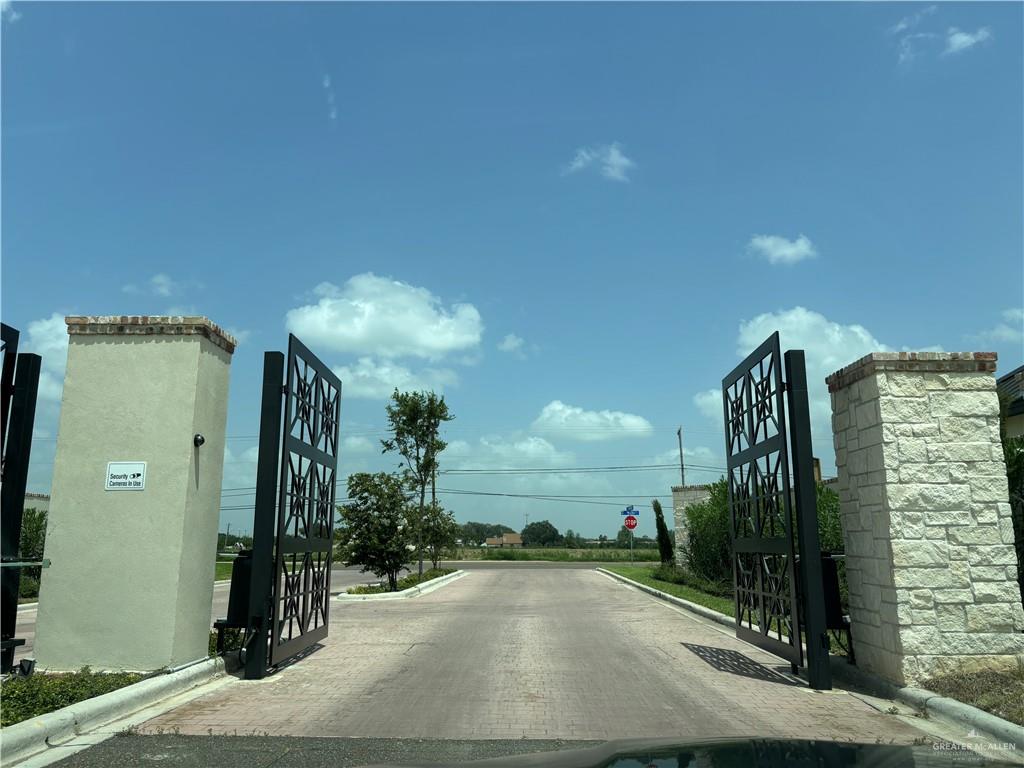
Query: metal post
{"points": [[16, 456], [682, 467], [265, 518], [819, 673], [631, 547]]}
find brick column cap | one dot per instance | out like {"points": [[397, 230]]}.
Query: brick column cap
{"points": [[912, 362], [150, 325]]}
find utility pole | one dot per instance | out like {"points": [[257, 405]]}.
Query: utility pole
{"points": [[227, 537], [682, 467]]}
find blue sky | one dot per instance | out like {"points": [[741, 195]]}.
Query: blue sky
{"points": [[573, 219]]}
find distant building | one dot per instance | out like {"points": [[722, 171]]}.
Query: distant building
{"points": [[505, 540], [39, 501], [1011, 391]]}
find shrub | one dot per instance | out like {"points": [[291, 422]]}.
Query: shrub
{"points": [[709, 550], [28, 588], [26, 697], [673, 574], [232, 641], [404, 583]]}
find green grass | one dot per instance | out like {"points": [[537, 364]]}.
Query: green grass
{"points": [[24, 697], [645, 575], [1001, 693], [558, 554], [404, 583], [224, 570]]}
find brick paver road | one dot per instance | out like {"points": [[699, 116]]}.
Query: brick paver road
{"points": [[535, 654]]}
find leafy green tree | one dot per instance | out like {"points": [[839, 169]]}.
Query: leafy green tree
{"points": [[375, 530], [622, 539], [664, 539], [541, 534], [439, 532], [601, 541], [414, 420]]}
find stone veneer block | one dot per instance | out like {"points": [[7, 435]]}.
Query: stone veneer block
{"points": [[131, 580], [923, 498]]}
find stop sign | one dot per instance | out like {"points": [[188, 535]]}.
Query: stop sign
{"points": [[630, 522]]}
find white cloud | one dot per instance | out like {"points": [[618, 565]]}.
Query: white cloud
{"points": [[158, 285], [1009, 331], [511, 343], [377, 379], [828, 346], [359, 444], [709, 403], [958, 41], [7, 12], [608, 158], [911, 21], [909, 45], [499, 452], [779, 250], [49, 339], [332, 108], [241, 335], [574, 423], [387, 318]]}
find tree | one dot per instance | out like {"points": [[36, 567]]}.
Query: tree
{"points": [[601, 541], [541, 534], [33, 540], [571, 540], [664, 539], [375, 530], [622, 539], [414, 419], [439, 532]]}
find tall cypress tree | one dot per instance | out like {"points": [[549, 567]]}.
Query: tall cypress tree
{"points": [[664, 540]]}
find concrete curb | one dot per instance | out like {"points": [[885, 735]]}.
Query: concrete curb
{"points": [[700, 610], [929, 702], [25, 739], [925, 701], [420, 589]]}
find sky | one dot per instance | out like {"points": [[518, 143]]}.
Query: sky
{"points": [[571, 219]]}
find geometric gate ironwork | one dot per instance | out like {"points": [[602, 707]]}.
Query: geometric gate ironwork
{"points": [[769, 609], [18, 387], [293, 529]]}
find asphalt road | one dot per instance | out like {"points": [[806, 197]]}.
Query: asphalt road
{"points": [[341, 579]]}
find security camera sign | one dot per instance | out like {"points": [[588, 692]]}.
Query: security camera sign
{"points": [[126, 476]]}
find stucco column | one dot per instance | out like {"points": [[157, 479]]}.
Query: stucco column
{"points": [[925, 514], [134, 507]]}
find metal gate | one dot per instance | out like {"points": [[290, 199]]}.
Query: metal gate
{"points": [[762, 501], [19, 385], [295, 496]]}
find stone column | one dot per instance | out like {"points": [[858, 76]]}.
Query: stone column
{"points": [[682, 497], [131, 580], [925, 514]]}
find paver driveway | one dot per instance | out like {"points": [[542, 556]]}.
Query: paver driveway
{"points": [[534, 654]]}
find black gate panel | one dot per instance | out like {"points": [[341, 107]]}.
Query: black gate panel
{"points": [[768, 513], [305, 517], [293, 531], [757, 458], [20, 383]]}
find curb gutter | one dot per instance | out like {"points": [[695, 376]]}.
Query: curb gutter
{"points": [[925, 701], [29, 737], [420, 589]]}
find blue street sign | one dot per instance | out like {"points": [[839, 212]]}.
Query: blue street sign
{"points": [[630, 511]]}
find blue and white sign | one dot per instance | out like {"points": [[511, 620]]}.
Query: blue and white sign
{"points": [[629, 511]]}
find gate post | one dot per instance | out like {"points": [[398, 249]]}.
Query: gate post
{"points": [[132, 526], [264, 521], [819, 671]]}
